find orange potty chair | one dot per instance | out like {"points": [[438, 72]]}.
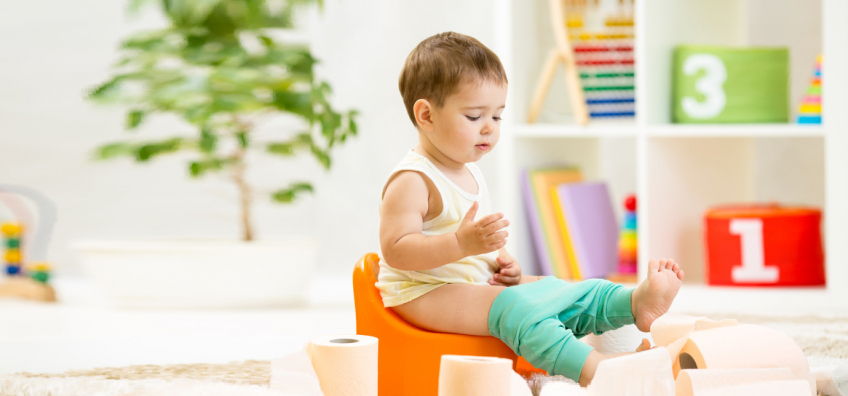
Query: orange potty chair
{"points": [[409, 357]]}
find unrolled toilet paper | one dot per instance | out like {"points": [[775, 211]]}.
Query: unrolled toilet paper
{"points": [[638, 374], [346, 365], [695, 382], [474, 376], [624, 339]]}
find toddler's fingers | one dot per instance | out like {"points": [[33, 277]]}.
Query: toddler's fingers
{"points": [[495, 226], [486, 220], [505, 280], [500, 235], [509, 271]]}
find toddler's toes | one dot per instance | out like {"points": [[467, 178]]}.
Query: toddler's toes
{"points": [[675, 268], [680, 275], [653, 266], [669, 264]]}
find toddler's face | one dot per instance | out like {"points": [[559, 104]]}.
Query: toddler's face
{"points": [[468, 125]]}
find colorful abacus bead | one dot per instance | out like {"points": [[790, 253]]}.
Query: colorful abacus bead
{"points": [[12, 256], [11, 229], [13, 269], [39, 271]]}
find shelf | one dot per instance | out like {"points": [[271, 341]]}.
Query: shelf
{"points": [[734, 130], [611, 129], [625, 129]]}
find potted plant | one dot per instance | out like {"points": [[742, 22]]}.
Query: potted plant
{"points": [[218, 67]]}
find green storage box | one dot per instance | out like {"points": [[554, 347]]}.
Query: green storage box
{"points": [[730, 85]]}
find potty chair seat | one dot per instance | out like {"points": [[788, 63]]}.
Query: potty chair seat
{"points": [[409, 357]]}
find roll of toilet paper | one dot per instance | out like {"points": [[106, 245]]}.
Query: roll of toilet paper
{"points": [[518, 385], [741, 346], [346, 364], [637, 374], [672, 327], [474, 376], [764, 388], [624, 339], [692, 382], [294, 373], [831, 380]]}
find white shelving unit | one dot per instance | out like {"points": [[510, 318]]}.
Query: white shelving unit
{"points": [[679, 170]]}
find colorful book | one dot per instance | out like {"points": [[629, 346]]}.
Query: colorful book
{"points": [[547, 237], [588, 227]]}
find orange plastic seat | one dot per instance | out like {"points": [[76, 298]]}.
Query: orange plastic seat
{"points": [[409, 357]]}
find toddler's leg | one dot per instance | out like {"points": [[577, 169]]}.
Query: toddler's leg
{"points": [[539, 320]]}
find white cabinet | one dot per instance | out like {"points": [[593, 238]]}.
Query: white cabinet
{"points": [[679, 170]]}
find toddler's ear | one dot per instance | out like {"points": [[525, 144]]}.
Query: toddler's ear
{"points": [[423, 111]]}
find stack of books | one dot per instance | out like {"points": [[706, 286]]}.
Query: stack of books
{"points": [[573, 226]]}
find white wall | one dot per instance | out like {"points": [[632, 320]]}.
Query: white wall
{"points": [[53, 50]]}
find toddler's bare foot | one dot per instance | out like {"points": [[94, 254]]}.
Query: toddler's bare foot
{"points": [[653, 297]]}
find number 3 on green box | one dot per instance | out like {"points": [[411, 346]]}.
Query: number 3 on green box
{"points": [[711, 85]]}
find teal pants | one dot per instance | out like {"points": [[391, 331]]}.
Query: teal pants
{"points": [[543, 320]]}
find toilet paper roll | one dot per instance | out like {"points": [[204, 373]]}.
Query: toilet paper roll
{"points": [[624, 339], [346, 364], [563, 389], [831, 380], [765, 388], [294, 374], [644, 373], [672, 327], [474, 376], [518, 385], [741, 346], [694, 382]]}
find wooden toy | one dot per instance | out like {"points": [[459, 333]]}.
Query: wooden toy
{"points": [[27, 279], [730, 85], [764, 245], [398, 374], [598, 64], [810, 111]]}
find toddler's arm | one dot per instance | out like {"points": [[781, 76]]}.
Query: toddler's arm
{"points": [[405, 206]]}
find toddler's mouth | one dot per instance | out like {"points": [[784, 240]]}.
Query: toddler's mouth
{"points": [[482, 147]]}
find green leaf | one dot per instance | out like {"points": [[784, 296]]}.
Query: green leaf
{"points": [[113, 150], [242, 139], [289, 194], [147, 151], [322, 156], [199, 168], [134, 118], [208, 140]]}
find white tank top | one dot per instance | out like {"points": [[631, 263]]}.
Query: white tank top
{"points": [[399, 287]]}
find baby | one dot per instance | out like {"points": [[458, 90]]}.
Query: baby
{"points": [[445, 267]]}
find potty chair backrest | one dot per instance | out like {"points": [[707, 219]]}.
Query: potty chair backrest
{"points": [[409, 357]]}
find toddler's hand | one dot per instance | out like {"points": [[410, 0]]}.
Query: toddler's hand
{"points": [[509, 273], [481, 236]]}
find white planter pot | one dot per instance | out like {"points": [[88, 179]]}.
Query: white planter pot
{"points": [[212, 273]]}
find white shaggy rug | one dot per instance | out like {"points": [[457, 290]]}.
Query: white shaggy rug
{"points": [[824, 340]]}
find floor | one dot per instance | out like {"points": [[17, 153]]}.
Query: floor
{"points": [[83, 331]]}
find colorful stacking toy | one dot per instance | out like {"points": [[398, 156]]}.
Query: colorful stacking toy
{"points": [[810, 111], [628, 242]]}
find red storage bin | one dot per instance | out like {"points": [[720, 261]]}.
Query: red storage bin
{"points": [[763, 245]]}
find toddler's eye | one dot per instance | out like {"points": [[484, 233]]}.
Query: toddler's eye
{"points": [[496, 118], [472, 118]]}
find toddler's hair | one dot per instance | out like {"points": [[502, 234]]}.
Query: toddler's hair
{"points": [[440, 63]]}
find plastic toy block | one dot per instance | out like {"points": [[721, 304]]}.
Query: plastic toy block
{"points": [[13, 269]]}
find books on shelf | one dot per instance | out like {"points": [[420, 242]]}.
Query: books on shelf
{"points": [[573, 227], [540, 210], [589, 228]]}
